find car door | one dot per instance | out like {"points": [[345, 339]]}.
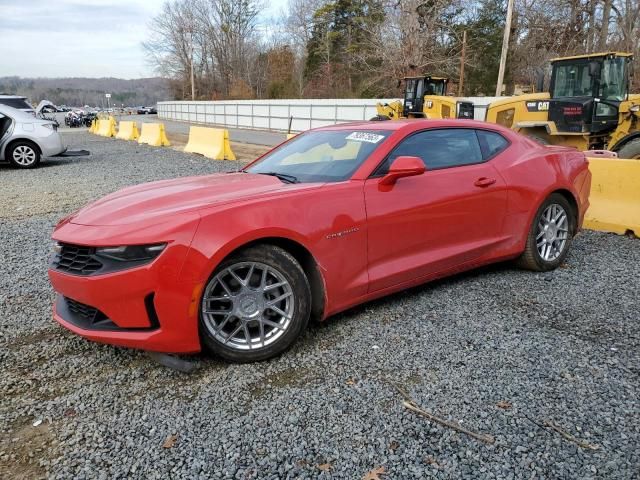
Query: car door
{"points": [[430, 223]]}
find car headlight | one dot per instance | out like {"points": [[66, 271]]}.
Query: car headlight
{"points": [[131, 253]]}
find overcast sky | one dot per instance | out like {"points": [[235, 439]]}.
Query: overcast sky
{"points": [[80, 38]]}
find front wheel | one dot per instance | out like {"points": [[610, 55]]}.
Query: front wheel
{"points": [[549, 236], [255, 305], [23, 155]]}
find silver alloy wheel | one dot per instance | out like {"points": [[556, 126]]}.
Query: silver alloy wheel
{"points": [[552, 233], [248, 305], [24, 155]]}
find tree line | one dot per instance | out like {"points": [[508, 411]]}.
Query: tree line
{"points": [[88, 91], [224, 49]]}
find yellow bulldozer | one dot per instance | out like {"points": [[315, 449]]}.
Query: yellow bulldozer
{"points": [[588, 106], [425, 97]]}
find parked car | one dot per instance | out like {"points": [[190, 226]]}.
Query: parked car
{"points": [[17, 101], [25, 139], [146, 110], [238, 263]]}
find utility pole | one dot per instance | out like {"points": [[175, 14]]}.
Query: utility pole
{"points": [[505, 48], [193, 84], [464, 47]]}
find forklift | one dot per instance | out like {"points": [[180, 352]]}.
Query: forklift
{"points": [[588, 106], [425, 97]]}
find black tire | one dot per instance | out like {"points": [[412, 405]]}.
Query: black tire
{"points": [[630, 150], [379, 118], [23, 154], [531, 258], [299, 292]]}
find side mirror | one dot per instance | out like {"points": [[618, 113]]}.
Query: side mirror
{"points": [[594, 69], [403, 166]]}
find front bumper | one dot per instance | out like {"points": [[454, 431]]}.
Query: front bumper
{"points": [[132, 310], [148, 307]]}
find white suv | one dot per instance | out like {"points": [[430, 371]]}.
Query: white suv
{"points": [[24, 139]]}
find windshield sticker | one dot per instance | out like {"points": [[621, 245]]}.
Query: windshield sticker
{"points": [[365, 137]]}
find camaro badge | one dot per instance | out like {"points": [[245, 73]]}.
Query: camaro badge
{"points": [[342, 233]]}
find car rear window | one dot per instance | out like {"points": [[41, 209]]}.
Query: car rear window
{"points": [[491, 143], [18, 103]]}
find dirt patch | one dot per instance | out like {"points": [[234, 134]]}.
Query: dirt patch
{"points": [[22, 449], [290, 377], [40, 199]]}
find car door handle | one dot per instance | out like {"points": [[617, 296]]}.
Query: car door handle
{"points": [[484, 182]]}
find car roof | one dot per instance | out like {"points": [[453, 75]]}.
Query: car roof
{"points": [[17, 114], [9, 95], [415, 124]]}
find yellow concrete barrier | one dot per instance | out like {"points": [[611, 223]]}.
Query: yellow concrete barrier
{"points": [[153, 134], [211, 142], [106, 127], [615, 196], [94, 126], [127, 131]]}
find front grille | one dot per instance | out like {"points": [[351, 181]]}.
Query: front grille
{"points": [[76, 259], [85, 311]]}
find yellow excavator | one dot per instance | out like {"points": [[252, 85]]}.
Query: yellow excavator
{"points": [[588, 106], [425, 97]]}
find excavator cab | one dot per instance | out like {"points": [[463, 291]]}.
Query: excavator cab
{"points": [[415, 89], [587, 91]]}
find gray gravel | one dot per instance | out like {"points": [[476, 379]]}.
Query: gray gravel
{"points": [[559, 347]]}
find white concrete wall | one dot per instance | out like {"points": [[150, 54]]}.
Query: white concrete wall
{"points": [[275, 114]]}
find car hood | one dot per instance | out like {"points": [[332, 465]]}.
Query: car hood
{"points": [[156, 200]]}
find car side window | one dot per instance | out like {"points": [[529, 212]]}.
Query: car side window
{"points": [[491, 143], [439, 148]]}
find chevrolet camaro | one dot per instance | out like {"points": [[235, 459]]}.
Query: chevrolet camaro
{"points": [[239, 263]]}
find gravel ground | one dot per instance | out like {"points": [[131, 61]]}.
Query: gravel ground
{"points": [[499, 350]]}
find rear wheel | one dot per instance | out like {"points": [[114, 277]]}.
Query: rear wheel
{"points": [[23, 155], [255, 305], [379, 118], [550, 235], [630, 150]]}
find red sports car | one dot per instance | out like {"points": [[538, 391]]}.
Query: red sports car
{"points": [[240, 262]]}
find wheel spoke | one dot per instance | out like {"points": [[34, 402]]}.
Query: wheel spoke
{"points": [[247, 280], [279, 299], [224, 285], [274, 285], [273, 324], [261, 332], [278, 311], [263, 278], [218, 299], [247, 335], [217, 312], [237, 277], [233, 334], [224, 322]]}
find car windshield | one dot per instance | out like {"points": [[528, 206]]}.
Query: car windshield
{"points": [[320, 156]]}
